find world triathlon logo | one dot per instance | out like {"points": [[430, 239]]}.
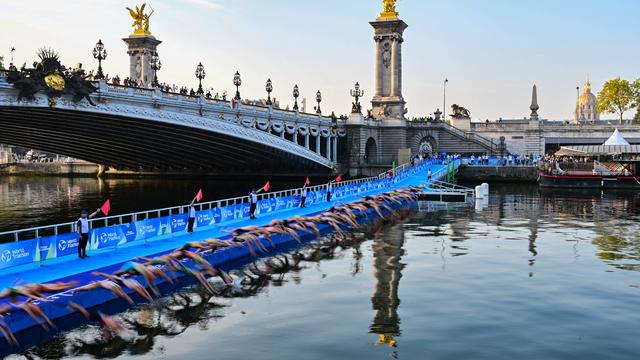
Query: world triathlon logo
{"points": [[62, 245], [6, 256], [104, 238]]}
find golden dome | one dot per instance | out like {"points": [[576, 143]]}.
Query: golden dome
{"points": [[587, 97]]}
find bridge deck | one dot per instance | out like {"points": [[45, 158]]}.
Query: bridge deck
{"points": [[68, 266]]}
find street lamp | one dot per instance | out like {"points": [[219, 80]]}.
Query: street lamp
{"points": [[444, 103], [99, 53], [296, 93], [200, 74], [269, 88], [357, 94], [237, 82], [156, 65], [319, 100]]}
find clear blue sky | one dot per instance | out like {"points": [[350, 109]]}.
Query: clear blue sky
{"points": [[492, 51]]}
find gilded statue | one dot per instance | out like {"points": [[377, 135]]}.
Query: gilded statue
{"points": [[389, 10], [140, 20]]}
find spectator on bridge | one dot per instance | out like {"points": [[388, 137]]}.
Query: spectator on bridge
{"points": [[429, 175], [83, 231]]}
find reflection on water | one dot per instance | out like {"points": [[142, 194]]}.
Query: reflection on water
{"points": [[387, 271], [536, 275]]}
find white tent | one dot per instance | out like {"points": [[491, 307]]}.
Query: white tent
{"points": [[616, 139]]}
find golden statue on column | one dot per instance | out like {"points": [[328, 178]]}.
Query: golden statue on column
{"points": [[388, 10], [140, 20]]}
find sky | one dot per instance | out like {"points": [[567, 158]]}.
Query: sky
{"points": [[492, 51]]}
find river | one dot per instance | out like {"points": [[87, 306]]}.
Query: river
{"points": [[535, 275]]}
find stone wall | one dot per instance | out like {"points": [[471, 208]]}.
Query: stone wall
{"points": [[498, 173], [52, 169]]}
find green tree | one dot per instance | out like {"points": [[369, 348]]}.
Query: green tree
{"points": [[616, 97], [636, 99], [1, 64]]}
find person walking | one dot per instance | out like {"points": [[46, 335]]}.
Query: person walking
{"points": [[83, 231], [429, 175], [329, 188]]}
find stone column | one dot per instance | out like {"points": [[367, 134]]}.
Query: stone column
{"points": [[393, 86], [335, 149], [140, 49], [318, 137], [378, 74], [328, 143], [306, 140], [387, 102]]}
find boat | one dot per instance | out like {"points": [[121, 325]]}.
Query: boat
{"points": [[616, 165]]}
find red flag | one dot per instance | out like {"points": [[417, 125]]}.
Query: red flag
{"points": [[267, 186], [199, 195], [338, 179], [233, 103], [307, 182], [106, 207]]}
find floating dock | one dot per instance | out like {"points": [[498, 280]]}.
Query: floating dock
{"points": [[70, 268]]}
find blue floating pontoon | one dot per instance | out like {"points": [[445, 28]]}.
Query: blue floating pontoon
{"points": [[108, 260]]}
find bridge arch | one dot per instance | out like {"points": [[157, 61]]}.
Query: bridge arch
{"points": [[371, 151], [147, 130], [423, 143]]}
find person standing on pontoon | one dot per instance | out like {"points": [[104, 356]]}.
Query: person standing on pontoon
{"points": [[83, 231]]}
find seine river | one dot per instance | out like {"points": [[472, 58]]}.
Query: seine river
{"points": [[535, 275]]}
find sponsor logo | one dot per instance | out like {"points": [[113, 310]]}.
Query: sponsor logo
{"points": [[6, 256], [62, 245]]}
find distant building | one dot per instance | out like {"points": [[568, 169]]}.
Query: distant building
{"points": [[586, 112]]}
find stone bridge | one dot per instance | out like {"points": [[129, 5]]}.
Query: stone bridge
{"points": [[136, 129], [373, 145]]}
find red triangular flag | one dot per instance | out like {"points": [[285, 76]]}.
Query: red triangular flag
{"points": [[307, 182], [267, 186], [106, 207], [338, 179], [199, 195]]}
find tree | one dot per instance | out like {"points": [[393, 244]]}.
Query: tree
{"points": [[635, 87], [616, 97], [1, 65]]}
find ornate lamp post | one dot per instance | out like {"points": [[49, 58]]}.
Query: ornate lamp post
{"points": [[237, 81], [99, 53], [357, 94], [269, 88], [155, 65], [200, 74], [296, 93], [319, 100]]}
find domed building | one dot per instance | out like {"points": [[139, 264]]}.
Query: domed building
{"points": [[586, 112]]}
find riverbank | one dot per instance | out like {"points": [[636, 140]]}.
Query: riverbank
{"points": [[75, 169]]}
